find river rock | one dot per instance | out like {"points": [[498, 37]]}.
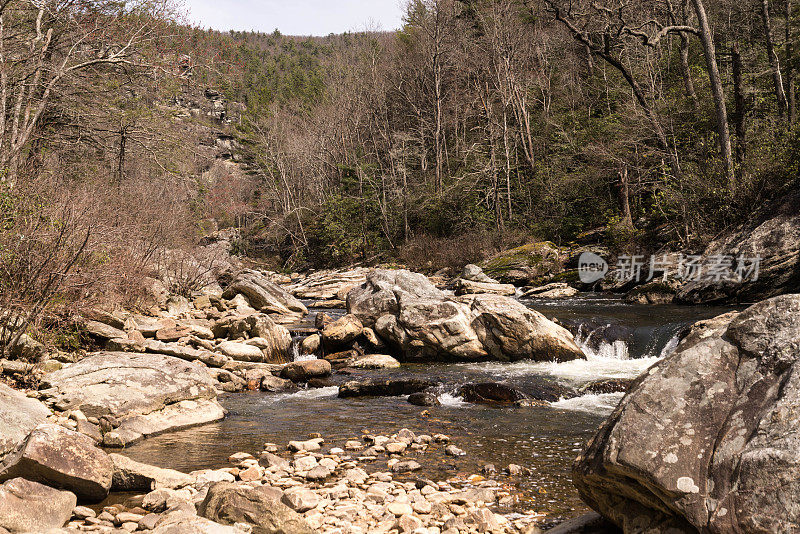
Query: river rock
{"points": [[383, 387], [424, 324], [182, 523], [773, 235], [61, 458], [300, 499], [241, 351], [655, 292], [277, 340], [424, 398], [146, 393], [490, 392], [342, 331], [556, 290], [19, 415], [261, 507], [375, 361], [103, 331], [707, 439], [310, 344], [305, 370], [471, 287], [474, 273], [27, 506], [328, 285], [263, 294], [130, 475]]}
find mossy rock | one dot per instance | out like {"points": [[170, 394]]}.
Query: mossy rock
{"points": [[525, 264], [655, 292]]}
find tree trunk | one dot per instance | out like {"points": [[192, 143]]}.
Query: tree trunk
{"points": [[774, 63], [687, 73], [624, 197], [738, 117], [723, 128], [790, 89]]}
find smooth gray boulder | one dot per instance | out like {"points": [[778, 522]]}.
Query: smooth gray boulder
{"points": [[144, 394], [709, 438], [413, 316], [61, 458], [260, 506], [263, 294], [19, 415], [27, 506]]}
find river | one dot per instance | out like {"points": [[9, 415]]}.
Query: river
{"points": [[620, 340]]}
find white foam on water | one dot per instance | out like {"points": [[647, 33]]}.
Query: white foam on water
{"points": [[452, 401], [600, 404]]}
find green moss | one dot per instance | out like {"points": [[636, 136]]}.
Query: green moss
{"points": [[537, 256]]}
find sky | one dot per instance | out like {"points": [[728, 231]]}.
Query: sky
{"points": [[296, 17]]}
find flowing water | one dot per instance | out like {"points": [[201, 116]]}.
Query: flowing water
{"points": [[620, 341]]}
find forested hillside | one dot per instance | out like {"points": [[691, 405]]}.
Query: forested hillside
{"points": [[480, 124], [128, 135]]}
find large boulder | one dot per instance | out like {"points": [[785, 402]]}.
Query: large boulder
{"points": [[19, 415], [143, 394], [709, 438], [261, 506], [424, 324], [27, 506], [263, 294], [380, 293], [183, 523], [241, 352], [305, 370], [61, 458], [773, 236], [342, 331], [130, 475]]}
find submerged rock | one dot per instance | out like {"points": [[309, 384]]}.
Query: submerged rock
{"points": [[707, 439], [383, 387], [424, 398], [147, 394]]}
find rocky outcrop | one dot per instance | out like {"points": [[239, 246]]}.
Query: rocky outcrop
{"points": [[656, 292], [19, 415], [27, 506], [230, 503], [708, 439], [61, 458], [413, 316], [139, 394], [263, 294], [526, 264], [328, 285], [774, 236]]}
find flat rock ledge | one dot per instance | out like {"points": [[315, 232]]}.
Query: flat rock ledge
{"points": [[119, 398]]}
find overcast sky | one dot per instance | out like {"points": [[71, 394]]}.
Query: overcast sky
{"points": [[296, 17]]}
